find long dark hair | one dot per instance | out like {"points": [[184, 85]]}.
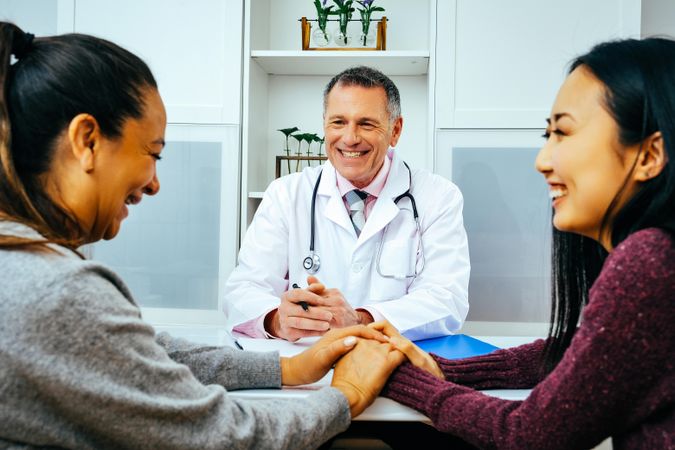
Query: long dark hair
{"points": [[53, 80], [639, 82]]}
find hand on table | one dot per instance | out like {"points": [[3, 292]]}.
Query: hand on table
{"points": [[361, 373], [312, 364], [417, 356]]}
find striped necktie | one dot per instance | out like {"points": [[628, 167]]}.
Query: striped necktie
{"points": [[357, 204]]}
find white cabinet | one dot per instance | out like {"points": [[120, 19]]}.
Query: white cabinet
{"points": [[498, 68], [193, 48], [177, 250], [283, 85], [500, 63]]}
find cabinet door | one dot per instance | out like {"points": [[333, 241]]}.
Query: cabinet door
{"points": [[193, 48], [507, 215], [499, 64]]}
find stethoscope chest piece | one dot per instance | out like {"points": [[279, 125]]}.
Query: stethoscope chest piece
{"points": [[312, 263]]}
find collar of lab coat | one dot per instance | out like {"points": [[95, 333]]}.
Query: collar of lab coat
{"points": [[384, 209]]}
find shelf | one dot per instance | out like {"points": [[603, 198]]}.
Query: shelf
{"points": [[317, 62]]}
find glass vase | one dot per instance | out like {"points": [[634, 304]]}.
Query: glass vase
{"points": [[321, 38], [368, 39], [342, 39]]}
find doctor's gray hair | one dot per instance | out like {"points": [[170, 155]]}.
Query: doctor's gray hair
{"points": [[369, 78]]}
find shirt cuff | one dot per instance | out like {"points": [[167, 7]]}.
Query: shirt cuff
{"points": [[377, 316], [255, 328]]}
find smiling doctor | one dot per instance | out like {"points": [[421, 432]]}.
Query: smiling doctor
{"points": [[366, 236]]}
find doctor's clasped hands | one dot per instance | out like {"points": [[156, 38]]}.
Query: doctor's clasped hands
{"points": [[313, 311]]}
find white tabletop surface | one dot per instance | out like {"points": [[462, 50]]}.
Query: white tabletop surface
{"points": [[383, 409]]}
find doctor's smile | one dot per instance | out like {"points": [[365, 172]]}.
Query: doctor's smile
{"points": [[353, 155]]}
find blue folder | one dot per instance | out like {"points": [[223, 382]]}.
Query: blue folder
{"points": [[455, 346]]}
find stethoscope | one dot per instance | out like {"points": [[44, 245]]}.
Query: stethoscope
{"points": [[312, 263]]}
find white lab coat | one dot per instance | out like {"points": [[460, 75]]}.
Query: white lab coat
{"points": [[435, 303]]}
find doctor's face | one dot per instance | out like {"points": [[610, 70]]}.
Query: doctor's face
{"points": [[358, 131]]}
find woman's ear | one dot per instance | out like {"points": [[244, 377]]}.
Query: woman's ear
{"points": [[83, 136], [652, 159]]}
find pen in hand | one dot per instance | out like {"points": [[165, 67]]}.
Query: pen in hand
{"points": [[304, 304]]}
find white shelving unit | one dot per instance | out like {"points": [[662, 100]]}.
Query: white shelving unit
{"points": [[283, 85]]}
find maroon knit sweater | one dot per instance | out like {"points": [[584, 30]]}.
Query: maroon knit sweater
{"points": [[616, 379]]}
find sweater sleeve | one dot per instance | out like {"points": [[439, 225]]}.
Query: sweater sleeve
{"points": [[509, 368], [615, 374], [94, 376], [233, 369]]}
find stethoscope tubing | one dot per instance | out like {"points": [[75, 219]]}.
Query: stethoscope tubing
{"points": [[312, 263]]}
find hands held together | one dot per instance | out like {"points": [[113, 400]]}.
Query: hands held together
{"points": [[363, 358], [323, 309]]}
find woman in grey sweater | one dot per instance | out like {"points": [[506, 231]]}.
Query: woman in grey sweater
{"points": [[81, 129]]}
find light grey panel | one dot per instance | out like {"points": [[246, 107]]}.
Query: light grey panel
{"points": [[167, 250], [658, 18], [34, 16], [507, 218]]}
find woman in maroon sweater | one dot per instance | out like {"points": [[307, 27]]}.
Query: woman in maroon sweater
{"points": [[608, 159]]}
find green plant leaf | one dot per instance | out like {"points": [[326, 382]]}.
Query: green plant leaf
{"points": [[288, 131]]}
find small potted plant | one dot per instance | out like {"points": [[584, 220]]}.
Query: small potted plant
{"points": [[298, 137], [311, 137], [320, 141], [287, 132]]}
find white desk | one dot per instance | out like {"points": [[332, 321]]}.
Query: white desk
{"points": [[382, 410]]}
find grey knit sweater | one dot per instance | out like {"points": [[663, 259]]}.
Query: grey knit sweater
{"points": [[79, 368]]}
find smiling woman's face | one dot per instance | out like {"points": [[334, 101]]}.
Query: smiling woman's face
{"points": [[583, 161], [131, 162], [99, 178]]}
